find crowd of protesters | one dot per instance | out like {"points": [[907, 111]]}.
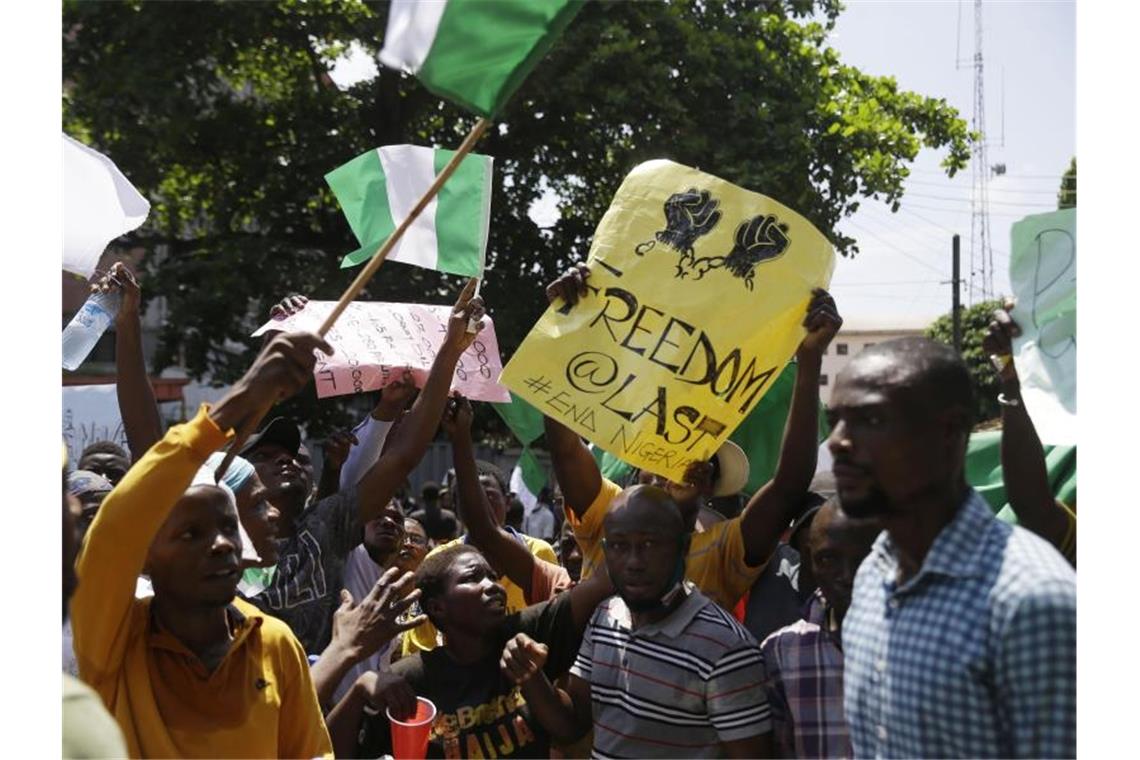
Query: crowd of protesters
{"points": [[877, 610]]}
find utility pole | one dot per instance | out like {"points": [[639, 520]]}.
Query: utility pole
{"points": [[956, 298]]}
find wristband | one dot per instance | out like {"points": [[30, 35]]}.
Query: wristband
{"points": [[1001, 361], [1001, 399]]}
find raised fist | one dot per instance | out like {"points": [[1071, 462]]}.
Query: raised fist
{"points": [[758, 239], [688, 216]]}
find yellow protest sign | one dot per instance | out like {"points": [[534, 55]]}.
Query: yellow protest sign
{"points": [[698, 289]]}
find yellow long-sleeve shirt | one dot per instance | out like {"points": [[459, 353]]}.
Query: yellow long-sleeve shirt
{"points": [[259, 702]]}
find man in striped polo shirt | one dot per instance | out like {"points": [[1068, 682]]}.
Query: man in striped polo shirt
{"points": [[663, 671]]}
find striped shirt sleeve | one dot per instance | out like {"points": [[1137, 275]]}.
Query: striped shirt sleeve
{"points": [[737, 704]]}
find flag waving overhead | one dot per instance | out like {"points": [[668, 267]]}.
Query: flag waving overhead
{"points": [[528, 478], [379, 188], [473, 52], [99, 204]]}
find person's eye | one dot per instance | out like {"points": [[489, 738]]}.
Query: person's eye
{"points": [[188, 535]]}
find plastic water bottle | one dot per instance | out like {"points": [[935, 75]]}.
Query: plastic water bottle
{"points": [[87, 326]]}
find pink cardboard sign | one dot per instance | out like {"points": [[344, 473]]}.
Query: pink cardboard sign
{"points": [[375, 342]]}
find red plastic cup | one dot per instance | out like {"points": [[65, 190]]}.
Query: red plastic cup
{"points": [[410, 737]]}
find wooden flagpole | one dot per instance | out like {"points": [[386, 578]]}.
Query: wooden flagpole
{"points": [[250, 424]]}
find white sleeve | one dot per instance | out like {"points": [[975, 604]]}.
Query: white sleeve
{"points": [[370, 435]]}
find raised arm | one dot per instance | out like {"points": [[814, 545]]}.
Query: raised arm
{"points": [[418, 427], [1022, 457], [138, 407], [575, 468], [506, 555], [373, 431], [336, 448], [776, 503], [116, 544]]}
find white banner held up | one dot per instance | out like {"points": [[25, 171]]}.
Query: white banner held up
{"points": [[1043, 272], [99, 204], [373, 342], [90, 414]]}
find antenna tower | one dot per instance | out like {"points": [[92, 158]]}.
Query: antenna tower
{"points": [[981, 252]]}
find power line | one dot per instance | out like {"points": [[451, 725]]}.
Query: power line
{"points": [[992, 189], [894, 247], [1003, 254], [946, 210], [1055, 177], [967, 200]]}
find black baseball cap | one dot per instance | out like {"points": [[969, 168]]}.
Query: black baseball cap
{"points": [[280, 431]]}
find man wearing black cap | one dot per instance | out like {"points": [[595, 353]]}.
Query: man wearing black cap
{"points": [[317, 540], [726, 559]]}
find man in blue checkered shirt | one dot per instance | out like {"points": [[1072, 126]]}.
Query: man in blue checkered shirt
{"points": [[961, 636]]}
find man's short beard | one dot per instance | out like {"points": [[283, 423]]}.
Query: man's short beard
{"points": [[874, 504]]}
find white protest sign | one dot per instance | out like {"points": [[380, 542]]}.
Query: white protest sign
{"points": [[1043, 272], [374, 342], [90, 413]]}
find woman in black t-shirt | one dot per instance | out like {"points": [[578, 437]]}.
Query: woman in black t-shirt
{"points": [[480, 711]]}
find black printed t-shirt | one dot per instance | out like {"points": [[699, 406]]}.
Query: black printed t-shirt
{"points": [[479, 712], [310, 569]]}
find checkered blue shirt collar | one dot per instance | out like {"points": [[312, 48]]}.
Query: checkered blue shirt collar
{"points": [[956, 551]]}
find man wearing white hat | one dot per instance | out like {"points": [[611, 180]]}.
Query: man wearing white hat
{"points": [[725, 559]]}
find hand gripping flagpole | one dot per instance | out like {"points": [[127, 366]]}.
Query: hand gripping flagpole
{"points": [[250, 424]]}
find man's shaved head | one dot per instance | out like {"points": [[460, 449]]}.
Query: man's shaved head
{"points": [[647, 508], [927, 376], [645, 544]]}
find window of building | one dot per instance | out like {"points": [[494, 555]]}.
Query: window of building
{"points": [[868, 345], [823, 379], [841, 349]]}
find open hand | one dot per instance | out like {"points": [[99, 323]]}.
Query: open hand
{"points": [[362, 628]]}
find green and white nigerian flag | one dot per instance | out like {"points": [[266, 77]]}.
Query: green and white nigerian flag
{"points": [[528, 478], [475, 53], [378, 189]]}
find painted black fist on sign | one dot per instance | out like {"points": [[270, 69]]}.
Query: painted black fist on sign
{"points": [[758, 239], [688, 216]]}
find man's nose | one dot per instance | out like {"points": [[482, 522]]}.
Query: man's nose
{"points": [[838, 439], [224, 544]]}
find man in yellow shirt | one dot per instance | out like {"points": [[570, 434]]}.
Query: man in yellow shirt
{"points": [[726, 559], [194, 671]]}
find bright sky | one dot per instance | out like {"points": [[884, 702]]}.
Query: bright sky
{"points": [[905, 257]]}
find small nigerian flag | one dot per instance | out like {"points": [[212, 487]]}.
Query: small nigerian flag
{"points": [[473, 52], [528, 478], [379, 188], [99, 205]]}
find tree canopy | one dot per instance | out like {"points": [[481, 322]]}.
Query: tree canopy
{"points": [[975, 323], [1067, 194], [223, 114]]}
